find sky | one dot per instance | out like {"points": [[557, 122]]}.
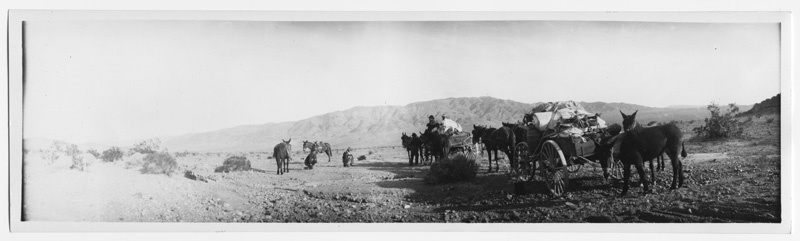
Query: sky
{"points": [[101, 81]]}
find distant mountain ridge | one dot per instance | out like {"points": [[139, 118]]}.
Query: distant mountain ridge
{"points": [[383, 125]]}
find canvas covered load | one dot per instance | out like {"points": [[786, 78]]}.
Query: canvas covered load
{"points": [[567, 117]]}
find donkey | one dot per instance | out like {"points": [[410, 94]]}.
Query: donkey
{"points": [[483, 134], [646, 144], [281, 155], [629, 123]]}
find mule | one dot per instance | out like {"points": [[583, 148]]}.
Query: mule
{"points": [[406, 140], [425, 150], [324, 147], [483, 135], [505, 140], [307, 145], [414, 145], [436, 141], [282, 156], [520, 132], [629, 123], [637, 145]]}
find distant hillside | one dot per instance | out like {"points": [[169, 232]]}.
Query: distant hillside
{"points": [[382, 125], [767, 107]]}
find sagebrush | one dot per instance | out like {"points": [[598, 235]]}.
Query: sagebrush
{"points": [[112, 154], [148, 146], [159, 163], [721, 125], [233, 164], [452, 169]]}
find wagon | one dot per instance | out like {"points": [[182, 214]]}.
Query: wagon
{"points": [[460, 143], [552, 154]]}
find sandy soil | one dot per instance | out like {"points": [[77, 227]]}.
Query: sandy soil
{"points": [[726, 181]]}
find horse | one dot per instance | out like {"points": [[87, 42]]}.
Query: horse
{"points": [[311, 159], [505, 140], [483, 134], [646, 144], [324, 147], [414, 145], [281, 155]]}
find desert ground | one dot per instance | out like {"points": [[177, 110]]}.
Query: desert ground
{"points": [[734, 180]]}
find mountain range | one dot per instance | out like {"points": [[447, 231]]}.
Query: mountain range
{"points": [[383, 125], [361, 127]]}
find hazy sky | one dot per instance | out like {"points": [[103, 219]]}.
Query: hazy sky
{"points": [[120, 80]]}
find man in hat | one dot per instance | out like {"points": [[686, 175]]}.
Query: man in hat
{"points": [[432, 124], [347, 158]]}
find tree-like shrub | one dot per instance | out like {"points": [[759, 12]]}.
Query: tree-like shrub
{"points": [[112, 154], [233, 164], [362, 157], [159, 163], [721, 125], [452, 169]]}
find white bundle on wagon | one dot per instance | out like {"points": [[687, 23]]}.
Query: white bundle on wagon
{"points": [[568, 118]]}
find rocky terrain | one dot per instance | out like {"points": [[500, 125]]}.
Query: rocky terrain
{"points": [[736, 180]]}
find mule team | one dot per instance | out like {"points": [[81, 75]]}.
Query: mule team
{"points": [[632, 148]]}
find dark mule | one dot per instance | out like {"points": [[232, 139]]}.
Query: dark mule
{"points": [[642, 144], [281, 155], [520, 132], [505, 140], [629, 123], [436, 142], [425, 150], [324, 147], [406, 140], [311, 159], [415, 145], [483, 134]]}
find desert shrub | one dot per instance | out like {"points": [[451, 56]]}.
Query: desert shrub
{"points": [[362, 157], [159, 163], [652, 123], [81, 162], [721, 125], [452, 169], [233, 164], [148, 146], [94, 153], [112, 154], [370, 152], [770, 120]]}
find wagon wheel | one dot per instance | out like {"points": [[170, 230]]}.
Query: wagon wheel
{"points": [[553, 169], [471, 153], [524, 169], [615, 167]]}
